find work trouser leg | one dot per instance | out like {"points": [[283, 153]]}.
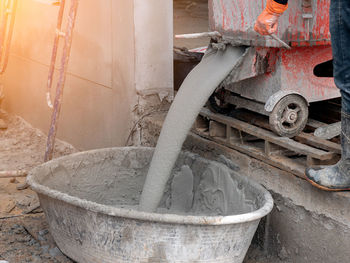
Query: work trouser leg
{"points": [[337, 177], [340, 34]]}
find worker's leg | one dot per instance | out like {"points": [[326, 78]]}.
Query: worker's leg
{"points": [[337, 177], [340, 31]]}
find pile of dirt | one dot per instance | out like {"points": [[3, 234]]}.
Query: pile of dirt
{"points": [[23, 147]]}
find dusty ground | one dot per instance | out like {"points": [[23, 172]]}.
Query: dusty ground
{"points": [[191, 16], [23, 147], [24, 235]]}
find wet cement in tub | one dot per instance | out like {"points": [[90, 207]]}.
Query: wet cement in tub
{"points": [[193, 189]]}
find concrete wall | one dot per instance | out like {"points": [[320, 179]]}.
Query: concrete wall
{"points": [[103, 74], [153, 18]]}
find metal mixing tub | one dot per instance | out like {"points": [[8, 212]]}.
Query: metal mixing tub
{"points": [[90, 201]]}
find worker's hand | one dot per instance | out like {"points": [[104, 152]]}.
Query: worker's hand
{"points": [[267, 22]]}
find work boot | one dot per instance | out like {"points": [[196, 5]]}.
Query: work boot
{"points": [[335, 177]]}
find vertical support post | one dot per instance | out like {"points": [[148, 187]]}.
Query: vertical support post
{"points": [[228, 133], [54, 53], [8, 15], [153, 22], [267, 148]]}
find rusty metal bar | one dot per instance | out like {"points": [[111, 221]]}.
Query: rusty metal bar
{"points": [[199, 35], [54, 53], [284, 44], [8, 15], [68, 34]]}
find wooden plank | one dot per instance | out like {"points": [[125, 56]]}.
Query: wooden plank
{"points": [[281, 162], [318, 142], [305, 138], [269, 136], [217, 129], [267, 148], [315, 124], [228, 133], [11, 174]]}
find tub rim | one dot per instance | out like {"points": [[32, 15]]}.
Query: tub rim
{"points": [[146, 216]]}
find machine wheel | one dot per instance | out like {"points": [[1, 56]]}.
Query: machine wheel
{"points": [[289, 116], [216, 102]]}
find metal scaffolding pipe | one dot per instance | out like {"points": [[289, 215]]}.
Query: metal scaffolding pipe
{"points": [[68, 34], [8, 15], [199, 35], [54, 53]]}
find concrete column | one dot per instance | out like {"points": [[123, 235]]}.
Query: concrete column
{"points": [[153, 21]]}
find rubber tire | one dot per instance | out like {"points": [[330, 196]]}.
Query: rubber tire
{"points": [[215, 108], [275, 116]]}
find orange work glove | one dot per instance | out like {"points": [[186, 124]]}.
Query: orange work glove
{"points": [[267, 22]]}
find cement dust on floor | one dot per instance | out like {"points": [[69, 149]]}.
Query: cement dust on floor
{"points": [[24, 235], [257, 255], [27, 239]]}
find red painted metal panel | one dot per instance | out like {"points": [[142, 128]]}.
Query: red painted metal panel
{"points": [[297, 73], [289, 70], [305, 23]]}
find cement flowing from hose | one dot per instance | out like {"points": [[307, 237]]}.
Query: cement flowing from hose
{"points": [[193, 94]]}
